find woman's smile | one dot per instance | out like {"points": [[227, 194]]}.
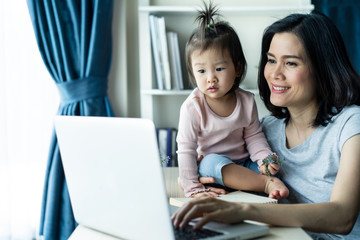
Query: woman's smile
{"points": [[279, 89]]}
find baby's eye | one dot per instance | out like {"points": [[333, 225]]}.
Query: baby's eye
{"points": [[219, 69], [201, 71]]}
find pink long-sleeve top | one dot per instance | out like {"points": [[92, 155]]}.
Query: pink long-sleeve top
{"points": [[202, 132]]}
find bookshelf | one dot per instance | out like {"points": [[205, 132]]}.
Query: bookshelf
{"points": [[249, 18]]}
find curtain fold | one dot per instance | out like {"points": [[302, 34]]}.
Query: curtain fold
{"points": [[346, 15], [75, 41]]}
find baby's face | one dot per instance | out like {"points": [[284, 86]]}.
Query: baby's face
{"points": [[214, 72]]}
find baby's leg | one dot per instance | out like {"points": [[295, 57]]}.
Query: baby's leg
{"points": [[242, 178], [211, 165]]}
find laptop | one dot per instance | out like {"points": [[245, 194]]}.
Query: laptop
{"points": [[115, 180]]}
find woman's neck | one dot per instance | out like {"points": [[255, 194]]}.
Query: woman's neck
{"points": [[300, 125], [304, 116]]}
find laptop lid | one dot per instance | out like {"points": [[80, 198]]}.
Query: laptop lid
{"points": [[115, 181]]}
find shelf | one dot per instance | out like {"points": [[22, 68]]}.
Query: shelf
{"points": [[244, 10], [166, 92], [156, 92], [163, 106]]}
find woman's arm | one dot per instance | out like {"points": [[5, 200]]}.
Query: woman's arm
{"points": [[337, 216]]}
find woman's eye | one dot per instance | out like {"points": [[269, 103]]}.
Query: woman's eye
{"points": [[292, 64], [271, 61]]}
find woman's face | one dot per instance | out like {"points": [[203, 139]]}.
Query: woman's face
{"points": [[288, 73]]}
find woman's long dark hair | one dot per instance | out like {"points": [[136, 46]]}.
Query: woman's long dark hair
{"points": [[337, 82]]}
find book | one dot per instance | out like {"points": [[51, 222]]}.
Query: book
{"points": [[167, 146], [236, 196], [164, 53], [175, 61], [156, 50], [174, 162]]}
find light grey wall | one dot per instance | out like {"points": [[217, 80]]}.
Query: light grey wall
{"points": [[124, 90]]}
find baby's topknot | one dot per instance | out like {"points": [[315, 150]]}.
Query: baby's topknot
{"points": [[206, 18]]}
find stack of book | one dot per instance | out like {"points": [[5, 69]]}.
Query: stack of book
{"points": [[166, 54], [167, 146]]}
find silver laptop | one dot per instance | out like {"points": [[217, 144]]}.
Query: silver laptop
{"points": [[115, 181]]}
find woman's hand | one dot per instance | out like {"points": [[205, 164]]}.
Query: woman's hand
{"points": [[210, 209]]}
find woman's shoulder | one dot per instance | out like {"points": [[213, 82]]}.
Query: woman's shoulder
{"points": [[350, 110], [347, 112], [270, 120]]}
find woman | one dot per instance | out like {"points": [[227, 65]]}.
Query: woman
{"points": [[308, 84]]}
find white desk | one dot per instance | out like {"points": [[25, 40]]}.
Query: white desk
{"points": [[173, 190], [276, 233]]}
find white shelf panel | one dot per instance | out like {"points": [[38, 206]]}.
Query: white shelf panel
{"points": [[157, 92], [250, 20], [244, 10], [166, 92]]}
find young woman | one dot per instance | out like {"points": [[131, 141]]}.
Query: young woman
{"points": [[309, 85]]}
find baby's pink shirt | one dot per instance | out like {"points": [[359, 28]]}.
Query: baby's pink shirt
{"points": [[202, 132]]}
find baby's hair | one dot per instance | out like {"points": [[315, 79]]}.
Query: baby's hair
{"points": [[215, 34], [206, 19]]}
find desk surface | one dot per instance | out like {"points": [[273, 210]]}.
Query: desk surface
{"points": [[173, 190], [276, 233], [83, 233]]}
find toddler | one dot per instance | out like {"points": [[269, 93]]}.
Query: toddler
{"points": [[219, 121]]}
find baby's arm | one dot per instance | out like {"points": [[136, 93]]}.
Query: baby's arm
{"points": [[187, 150], [188, 174]]}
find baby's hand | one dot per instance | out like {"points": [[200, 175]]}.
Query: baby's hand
{"points": [[271, 164], [271, 169], [201, 194]]}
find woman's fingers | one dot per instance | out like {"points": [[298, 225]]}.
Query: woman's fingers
{"points": [[210, 209], [194, 209], [179, 216]]}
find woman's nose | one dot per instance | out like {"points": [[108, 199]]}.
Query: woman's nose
{"points": [[277, 72]]}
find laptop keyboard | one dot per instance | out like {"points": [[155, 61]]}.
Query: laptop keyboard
{"points": [[189, 233]]}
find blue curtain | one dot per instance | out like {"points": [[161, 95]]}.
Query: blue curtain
{"points": [[75, 41], [346, 15]]}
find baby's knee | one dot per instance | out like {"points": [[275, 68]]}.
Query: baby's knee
{"points": [[211, 165]]}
